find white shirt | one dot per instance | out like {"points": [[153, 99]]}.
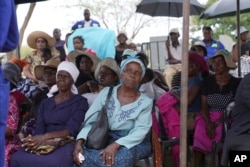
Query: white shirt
{"points": [[87, 23], [176, 52]]}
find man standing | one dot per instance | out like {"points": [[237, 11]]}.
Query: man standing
{"points": [[212, 45], [57, 35], [87, 22], [59, 43], [244, 44], [173, 55]]}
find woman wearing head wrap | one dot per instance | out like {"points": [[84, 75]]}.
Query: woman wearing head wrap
{"points": [[129, 116], [170, 110], [217, 92], [59, 116]]}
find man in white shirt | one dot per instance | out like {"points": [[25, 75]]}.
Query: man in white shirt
{"points": [[173, 55], [87, 22]]}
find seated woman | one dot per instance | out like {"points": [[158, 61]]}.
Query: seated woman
{"points": [[38, 40], [148, 87], [12, 142], [47, 74], [169, 103], [217, 92], [129, 116], [59, 116], [107, 74], [78, 43], [86, 63]]}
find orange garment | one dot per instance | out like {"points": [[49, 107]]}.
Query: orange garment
{"points": [[19, 62]]}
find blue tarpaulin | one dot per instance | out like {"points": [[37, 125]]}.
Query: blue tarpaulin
{"points": [[101, 40]]}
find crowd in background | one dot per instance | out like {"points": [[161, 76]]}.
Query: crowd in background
{"points": [[53, 90]]}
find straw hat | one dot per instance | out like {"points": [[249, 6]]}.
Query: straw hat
{"points": [[73, 54], [31, 40], [227, 56], [242, 30], [110, 63], [52, 63], [201, 44]]}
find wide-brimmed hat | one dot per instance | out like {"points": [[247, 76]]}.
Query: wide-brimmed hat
{"points": [[242, 30], [31, 40], [110, 63], [174, 30], [201, 44], [227, 57], [11, 72], [73, 54], [39, 69]]}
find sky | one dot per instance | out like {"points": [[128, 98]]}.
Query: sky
{"points": [[50, 14]]}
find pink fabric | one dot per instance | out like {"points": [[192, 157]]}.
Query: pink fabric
{"points": [[201, 141], [13, 144], [171, 121], [170, 116]]}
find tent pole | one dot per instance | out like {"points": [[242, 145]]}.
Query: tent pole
{"points": [[184, 79], [238, 37]]}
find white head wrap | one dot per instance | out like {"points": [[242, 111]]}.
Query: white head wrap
{"points": [[72, 70]]}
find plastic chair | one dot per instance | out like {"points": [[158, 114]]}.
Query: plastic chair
{"points": [[146, 160], [218, 146]]}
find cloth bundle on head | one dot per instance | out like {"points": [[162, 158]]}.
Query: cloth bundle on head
{"points": [[72, 70], [11, 72], [199, 61], [129, 52], [131, 59]]}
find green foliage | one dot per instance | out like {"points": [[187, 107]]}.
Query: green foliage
{"points": [[223, 25], [24, 51]]}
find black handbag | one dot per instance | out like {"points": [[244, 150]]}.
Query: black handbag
{"points": [[98, 135]]}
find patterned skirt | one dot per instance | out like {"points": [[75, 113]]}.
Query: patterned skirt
{"points": [[123, 158]]}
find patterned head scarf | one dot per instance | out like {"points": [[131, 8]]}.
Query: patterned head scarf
{"points": [[133, 59]]}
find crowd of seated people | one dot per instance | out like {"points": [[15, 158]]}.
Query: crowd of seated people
{"points": [[62, 91]]}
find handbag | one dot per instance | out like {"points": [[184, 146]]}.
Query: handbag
{"points": [[51, 145], [98, 135]]}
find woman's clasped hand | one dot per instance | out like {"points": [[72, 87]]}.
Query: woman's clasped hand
{"points": [[30, 143]]}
